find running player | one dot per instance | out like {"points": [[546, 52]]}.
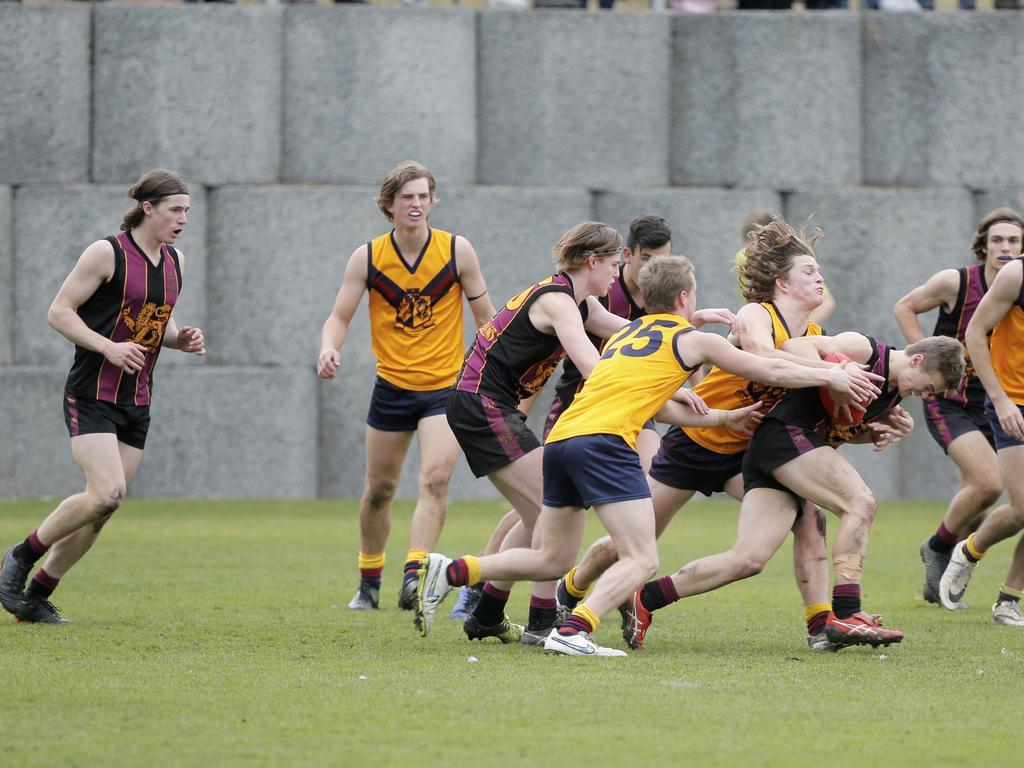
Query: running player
{"points": [[115, 307], [592, 460], [783, 285], [999, 363], [416, 276], [957, 419], [792, 457]]}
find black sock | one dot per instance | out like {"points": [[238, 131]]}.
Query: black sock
{"points": [[491, 609]]}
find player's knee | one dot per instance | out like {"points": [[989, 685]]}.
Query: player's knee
{"points": [[988, 490], [379, 492], [106, 501], [863, 506], [435, 484], [747, 564], [649, 565]]}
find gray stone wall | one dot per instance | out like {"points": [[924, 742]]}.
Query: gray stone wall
{"points": [[896, 133]]}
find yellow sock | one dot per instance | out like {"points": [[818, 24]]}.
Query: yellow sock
{"points": [[976, 553], [588, 615], [1008, 590], [371, 561], [472, 568], [415, 555], [570, 585], [813, 610]]}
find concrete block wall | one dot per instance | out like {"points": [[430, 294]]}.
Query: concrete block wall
{"points": [[896, 133]]}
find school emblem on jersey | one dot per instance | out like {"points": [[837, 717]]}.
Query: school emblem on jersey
{"points": [[415, 312], [147, 327]]}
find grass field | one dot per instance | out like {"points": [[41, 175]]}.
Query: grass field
{"points": [[215, 633]]}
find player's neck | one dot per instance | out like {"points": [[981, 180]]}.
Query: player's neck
{"points": [[796, 315], [411, 239], [149, 243], [897, 362]]}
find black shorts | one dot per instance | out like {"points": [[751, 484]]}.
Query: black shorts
{"points": [[393, 409], [776, 443], [688, 466], [589, 470], [86, 416], [492, 434], [948, 419]]}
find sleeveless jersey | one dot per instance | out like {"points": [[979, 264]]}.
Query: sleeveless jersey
{"points": [[724, 390], [638, 371], [510, 359], [802, 408], [954, 323], [415, 312], [1007, 349], [134, 305], [619, 301]]}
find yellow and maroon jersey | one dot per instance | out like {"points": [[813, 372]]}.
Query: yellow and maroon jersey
{"points": [[416, 312], [638, 371], [134, 305], [1006, 346], [724, 390]]}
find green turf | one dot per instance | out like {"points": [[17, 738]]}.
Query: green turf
{"points": [[215, 633]]}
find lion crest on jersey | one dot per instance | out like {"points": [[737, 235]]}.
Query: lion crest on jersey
{"points": [[415, 312], [147, 327]]}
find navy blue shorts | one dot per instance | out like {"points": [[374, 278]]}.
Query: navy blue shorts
{"points": [[592, 469], [393, 409], [492, 434], [87, 416], [948, 419], [1001, 439], [688, 466]]}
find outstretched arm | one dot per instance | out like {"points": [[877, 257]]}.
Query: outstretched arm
{"points": [[335, 328], [600, 321]]}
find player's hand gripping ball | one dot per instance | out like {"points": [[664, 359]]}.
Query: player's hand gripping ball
{"points": [[856, 417]]}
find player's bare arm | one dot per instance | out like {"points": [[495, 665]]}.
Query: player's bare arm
{"points": [[939, 290], [716, 315], [700, 347], [743, 420], [94, 267], [756, 337], [991, 309], [557, 313], [335, 328], [474, 288], [600, 321], [187, 338]]}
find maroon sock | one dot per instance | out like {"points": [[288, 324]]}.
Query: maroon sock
{"points": [[458, 573], [817, 622], [659, 593], [42, 585], [845, 600]]}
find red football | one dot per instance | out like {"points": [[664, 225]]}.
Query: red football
{"points": [[826, 396]]}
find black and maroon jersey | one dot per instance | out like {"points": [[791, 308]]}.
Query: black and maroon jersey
{"points": [[134, 305], [619, 302], [954, 323], [802, 408], [510, 359]]}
